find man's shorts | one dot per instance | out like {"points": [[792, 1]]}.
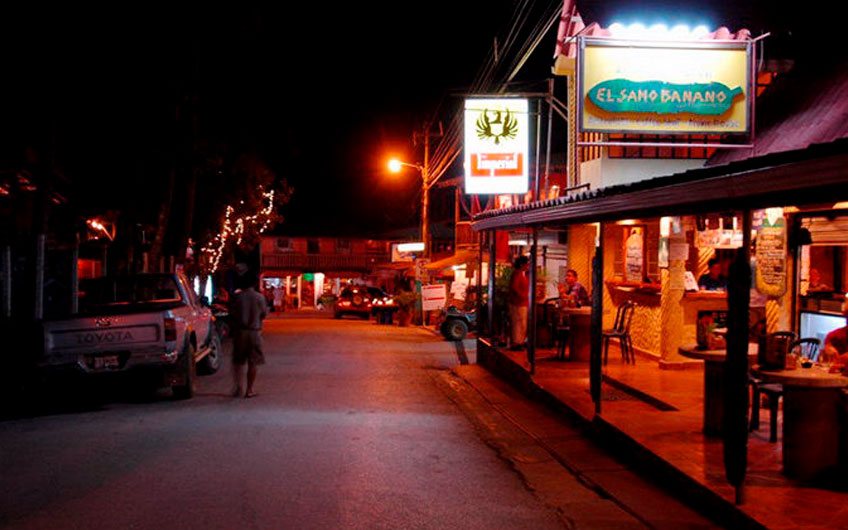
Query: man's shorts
{"points": [[247, 348]]}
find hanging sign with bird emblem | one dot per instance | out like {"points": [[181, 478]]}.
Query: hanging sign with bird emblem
{"points": [[496, 146]]}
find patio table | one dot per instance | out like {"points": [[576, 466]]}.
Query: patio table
{"points": [[811, 419], [713, 383], [580, 336]]}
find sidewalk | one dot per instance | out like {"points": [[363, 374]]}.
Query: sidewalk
{"points": [[662, 435], [562, 465]]}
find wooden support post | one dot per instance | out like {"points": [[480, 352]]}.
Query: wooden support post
{"points": [[735, 426], [493, 243], [531, 306], [597, 320]]}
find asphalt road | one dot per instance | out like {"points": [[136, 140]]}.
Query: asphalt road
{"points": [[350, 430]]}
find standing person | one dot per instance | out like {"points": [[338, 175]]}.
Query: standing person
{"points": [[278, 299], [268, 293], [712, 280], [519, 299], [247, 311]]}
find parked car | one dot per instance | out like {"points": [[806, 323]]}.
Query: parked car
{"points": [[382, 305], [151, 323], [353, 301], [381, 301]]}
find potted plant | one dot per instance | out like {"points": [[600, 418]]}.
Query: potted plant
{"points": [[405, 302]]}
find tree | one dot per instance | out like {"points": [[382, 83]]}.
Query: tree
{"points": [[252, 208]]}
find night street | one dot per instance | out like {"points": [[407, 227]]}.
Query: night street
{"points": [[348, 431], [354, 426]]}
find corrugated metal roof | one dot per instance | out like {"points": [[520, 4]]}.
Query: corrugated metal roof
{"points": [[710, 187], [803, 107]]}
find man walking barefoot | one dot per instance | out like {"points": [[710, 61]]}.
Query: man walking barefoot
{"points": [[247, 311]]}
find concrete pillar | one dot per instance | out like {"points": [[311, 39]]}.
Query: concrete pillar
{"points": [[581, 249], [611, 243], [299, 291], [671, 311]]}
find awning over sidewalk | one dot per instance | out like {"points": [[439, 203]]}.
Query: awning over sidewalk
{"points": [[761, 182], [395, 266], [461, 257]]}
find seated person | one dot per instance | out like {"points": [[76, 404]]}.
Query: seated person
{"points": [[713, 280], [816, 284], [836, 345], [573, 291]]}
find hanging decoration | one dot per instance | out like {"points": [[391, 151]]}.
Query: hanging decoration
{"points": [[237, 227]]}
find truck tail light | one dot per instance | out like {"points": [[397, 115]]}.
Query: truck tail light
{"points": [[170, 329]]}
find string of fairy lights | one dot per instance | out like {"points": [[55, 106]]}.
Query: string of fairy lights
{"points": [[235, 228]]}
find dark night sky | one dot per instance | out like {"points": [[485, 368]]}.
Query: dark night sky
{"points": [[322, 92]]}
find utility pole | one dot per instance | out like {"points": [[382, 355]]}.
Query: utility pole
{"points": [[426, 183], [425, 194]]}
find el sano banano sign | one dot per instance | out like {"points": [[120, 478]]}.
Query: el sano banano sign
{"points": [[663, 89]]}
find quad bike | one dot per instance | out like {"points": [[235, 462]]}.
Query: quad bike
{"points": [[457, 323]]}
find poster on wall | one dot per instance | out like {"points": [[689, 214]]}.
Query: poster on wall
{"points": [[634, 257], [662, 257], [770, 275]]}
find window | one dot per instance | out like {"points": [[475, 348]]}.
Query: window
{"points": [[343, 246], [284, 244], [312, 246], [644, 151]]}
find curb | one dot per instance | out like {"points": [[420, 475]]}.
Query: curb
{"points": [[620, 445]]}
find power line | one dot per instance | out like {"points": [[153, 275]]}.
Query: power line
{"points": [[449, 146]]}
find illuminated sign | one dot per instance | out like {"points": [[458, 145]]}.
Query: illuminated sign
{"points": [[496, 146], [411, 247], [664, 88], [406, 251], [657, 97]]}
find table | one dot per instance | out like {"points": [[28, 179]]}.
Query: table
{"points": [[713, 383], [580, 336], [811, 419]]}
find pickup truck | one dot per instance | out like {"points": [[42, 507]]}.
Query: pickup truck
{"points": [[151, 323]]}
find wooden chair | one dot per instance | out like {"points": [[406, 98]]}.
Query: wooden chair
{"points": [[621, 331], [551, 320], [561, 334], [774, 391]]}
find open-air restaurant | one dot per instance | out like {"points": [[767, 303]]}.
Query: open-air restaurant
{"points": [[687, 288]]}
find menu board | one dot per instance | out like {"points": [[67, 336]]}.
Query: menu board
{"points": [[634, 260], [771, 255]]}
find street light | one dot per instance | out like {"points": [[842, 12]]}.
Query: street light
{"points": [[395, 166]]}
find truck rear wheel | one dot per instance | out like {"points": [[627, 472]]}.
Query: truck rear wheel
{"points": [[212, 361], [186, 390]]}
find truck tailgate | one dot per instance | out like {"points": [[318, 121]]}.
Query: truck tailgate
{"points": [[94, 335]]}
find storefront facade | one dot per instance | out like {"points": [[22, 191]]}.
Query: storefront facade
{"points": [[774, 207], [306, 268]]}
